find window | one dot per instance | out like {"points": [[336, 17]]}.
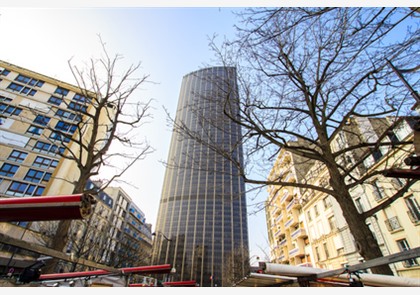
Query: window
{"points": [[37, 176], [65, 127], [43, 162], [318, 256], [59, 137], [17, 156], [15, 87], [403, 245], [28, 80], [327, 202], [5, 72], [77, 107], [35, 130], [48, 148], [376, 154], [42, 120], [68, 115], [21, 89], [61, 91], [55, 100], [8, 170], [413, 208], [316, 210], [359, 205], [392, 137], [11, 110], [309, 216], [21, 189], [80, 98], [331, 222], [5, 99], [378, 191], [327, 253]]}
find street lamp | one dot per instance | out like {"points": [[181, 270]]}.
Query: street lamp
{"points": [[165, 237], [254, 256], [173, 270], [160, 246]]}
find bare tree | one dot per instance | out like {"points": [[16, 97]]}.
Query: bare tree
{"points": [[108, 112], [236, 267], [304, 73]]}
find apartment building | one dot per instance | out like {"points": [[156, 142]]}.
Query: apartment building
{"points": [[396, 227], [287, 231], [131, 233], [38, 118]]}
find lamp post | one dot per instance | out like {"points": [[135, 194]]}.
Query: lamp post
{"points": [[165, 237], [160, 246], [167, 249], [254, 256]]}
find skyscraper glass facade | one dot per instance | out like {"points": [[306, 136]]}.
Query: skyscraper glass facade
{"points": [[202, 218]]}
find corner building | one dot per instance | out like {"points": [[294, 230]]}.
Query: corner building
{"points": [[202, 218]]}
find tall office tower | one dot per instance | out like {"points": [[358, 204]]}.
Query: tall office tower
{"points": [[202, 221]]}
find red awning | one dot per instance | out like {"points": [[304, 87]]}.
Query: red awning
{"points": [[45, 208]]}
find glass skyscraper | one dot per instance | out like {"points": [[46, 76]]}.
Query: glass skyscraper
{"points": [[202, 220]]}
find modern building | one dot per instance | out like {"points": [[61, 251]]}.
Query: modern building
{"points": [[202, 217], [38, 119]]}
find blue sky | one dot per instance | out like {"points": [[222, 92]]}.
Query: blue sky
{"points": [[169, 43]]}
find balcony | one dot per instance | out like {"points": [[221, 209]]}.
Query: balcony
{"points": [[279, 218], [287, 196], [290, 177], [294, 204], [283, 242], [277, 233], [276, 211], [393, 224], [299, 233], [292, 220], [414, 216], [284, 258], [297, 252]]}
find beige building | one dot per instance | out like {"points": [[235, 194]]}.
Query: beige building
{"points": [[39, 116], [287, 232], [330, 244]]}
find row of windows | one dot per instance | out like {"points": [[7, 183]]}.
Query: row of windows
{"points": [[77, 105], [21, 89], [32, 175], [5, 99], [44, 120], [21, 189], [10, 110], [29, 81], [45, 147]]}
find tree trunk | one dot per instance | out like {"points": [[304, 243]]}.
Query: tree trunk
{"points": [[366, 244], [61, 235], [58, 243]]}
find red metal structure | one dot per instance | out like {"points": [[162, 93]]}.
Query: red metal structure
{"points": [[180, 284], [152, 269], [46, 208]]}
